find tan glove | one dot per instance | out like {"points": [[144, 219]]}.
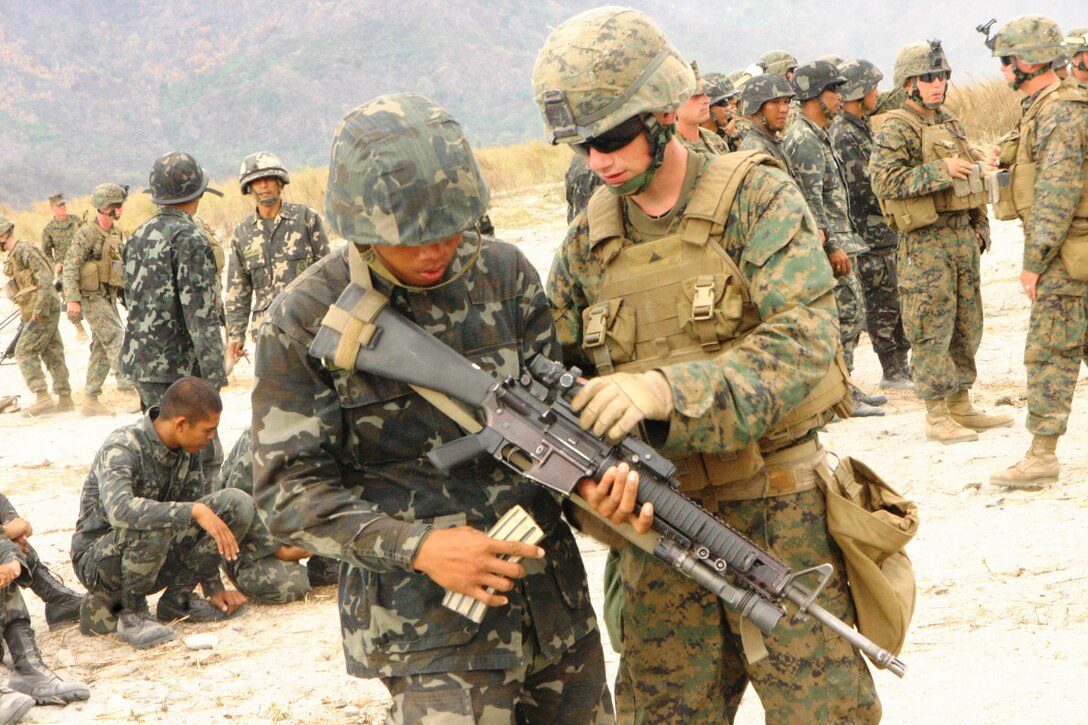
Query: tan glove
{"points": [[612, 405]]}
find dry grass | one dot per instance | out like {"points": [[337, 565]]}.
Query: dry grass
{"points": [[988, 110]]}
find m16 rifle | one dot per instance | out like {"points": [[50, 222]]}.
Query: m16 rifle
{"points": [[530, 427]]}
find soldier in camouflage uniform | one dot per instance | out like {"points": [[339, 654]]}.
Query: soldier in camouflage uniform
{"points": [[765, 102], [92, 278], [170, 285], [1076, 44], [337, 454], [266, 569], [930, 188], [147, 522], [723, 109], [30, 287], [782, 63], [690, 117], [1048, 191], [642, 252], [820, 176], [852, 140], [56, 238], [32, 681], [581, 182], [270, 247]]}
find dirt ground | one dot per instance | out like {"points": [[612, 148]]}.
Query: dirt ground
{"points": [[999, 634]]}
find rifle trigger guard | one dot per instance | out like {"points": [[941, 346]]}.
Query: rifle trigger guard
{"points": [[823, 572]]}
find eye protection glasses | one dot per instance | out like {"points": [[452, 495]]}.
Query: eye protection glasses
{"points": [[614, 139]]}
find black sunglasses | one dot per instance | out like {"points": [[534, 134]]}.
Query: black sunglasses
{"points": [[613, 139], [944, 75], [1007, 60]]}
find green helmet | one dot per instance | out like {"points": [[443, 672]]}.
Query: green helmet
{"points": [[833, 59], [104, 195], [761, 89], [1077, 41], [718, 87], [603, 67], [402, 173], [1031, 38], [861, 77], [176, 178], [259, 166], [6, 225], [777, 61], [811, 79], [918, 58]]}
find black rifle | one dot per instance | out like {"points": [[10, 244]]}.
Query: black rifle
{"points": [[530, 427], [9, 351]]}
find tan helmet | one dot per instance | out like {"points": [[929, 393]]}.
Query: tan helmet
{"points": [[104, 195], [603, 67], [1031, 38], [777, 61], [918, 58], [6, 225], [260, 165], [1077, 41]]}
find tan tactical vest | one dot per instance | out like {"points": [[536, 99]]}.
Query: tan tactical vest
{"points": [[106, 269], [681, 298], [939, 141], [21, 285]]}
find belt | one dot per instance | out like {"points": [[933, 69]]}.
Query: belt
{"points": [[786, 471], [956, 220]]}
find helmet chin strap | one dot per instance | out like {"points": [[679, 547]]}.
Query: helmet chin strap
{"points": [[916, 96], [270, 201], [826, 110], [659, 136], [767, 124], [1020, 77]]}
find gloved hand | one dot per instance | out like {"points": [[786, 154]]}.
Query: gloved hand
{"points": [[612, 405]]}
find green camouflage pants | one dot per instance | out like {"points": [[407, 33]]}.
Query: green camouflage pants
{"points": [[260, 575], [127, 564], [1054, 349], [211, 456], [106, 335], [14, 607], [884, 321], [570, 689], [40, 343], [942, 307], [683, 661], [850, 301]]}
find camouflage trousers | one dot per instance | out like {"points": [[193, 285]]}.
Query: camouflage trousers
{"points": [[211, 456], [260, 575], [884, 321], [570, 689], [126, 565], [1054, 349], [850, 301], [106, 335], [939, 289], [40, 343], [13, 607], [683, 661]]}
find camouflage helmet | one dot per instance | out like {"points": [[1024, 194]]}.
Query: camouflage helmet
{"points": [[739, 77], [1031, 38], [812, 78], [861, 77], [259, 166], [176, 178], [104, 195], [761, 89], [603, 67], [918, 58], [718, 87], [777, 61], [833, 58], [1077, 41], [402, 173], [6, 225], [57, 200]]}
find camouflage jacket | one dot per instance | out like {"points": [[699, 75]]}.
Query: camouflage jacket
{"points": [[264, 257], [581, 182], [759, 140], [709, 143], [86, 245], [7, 510], [172, 329], [57, 237], [136, 482], [821, 180], [730, 399], [26, 266], [220, 257], [1060, 153], [338, 469], [852, 139]]}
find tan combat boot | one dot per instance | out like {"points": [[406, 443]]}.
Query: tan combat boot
{"points": [[941, 427], [44, 404], [967, 415], [92, 406], [64, 403], [1039, 467]]}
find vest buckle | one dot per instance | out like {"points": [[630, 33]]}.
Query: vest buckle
{"points": [[702, 303]]}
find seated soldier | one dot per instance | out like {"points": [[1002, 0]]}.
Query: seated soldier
{"points": [[61, 603], [266, 570], [146, 522], [32, 682]]}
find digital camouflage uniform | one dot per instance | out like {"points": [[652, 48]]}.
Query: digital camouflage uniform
{"points": [[135, 533], [338, 455], [30, 272], [938, 264], [99, 306], [581, 182], [852, 140], [820, 177], [265, 255], [709, 143], [56, 238], [256, 572]]}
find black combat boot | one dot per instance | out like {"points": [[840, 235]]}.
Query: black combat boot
{"points": [[137, 627], [322, 571], [179, 601], [31, 676], [61, 603]]}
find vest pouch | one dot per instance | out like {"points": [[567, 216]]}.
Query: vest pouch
{"points": [[11, 289], [1023, 187], [88, 276], [1001, 196], [711, 309], [115, 276], [911, 214], [608, 333], [1074, 250]]}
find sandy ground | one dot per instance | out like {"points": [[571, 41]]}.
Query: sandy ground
{"points": [[999, 634]]}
